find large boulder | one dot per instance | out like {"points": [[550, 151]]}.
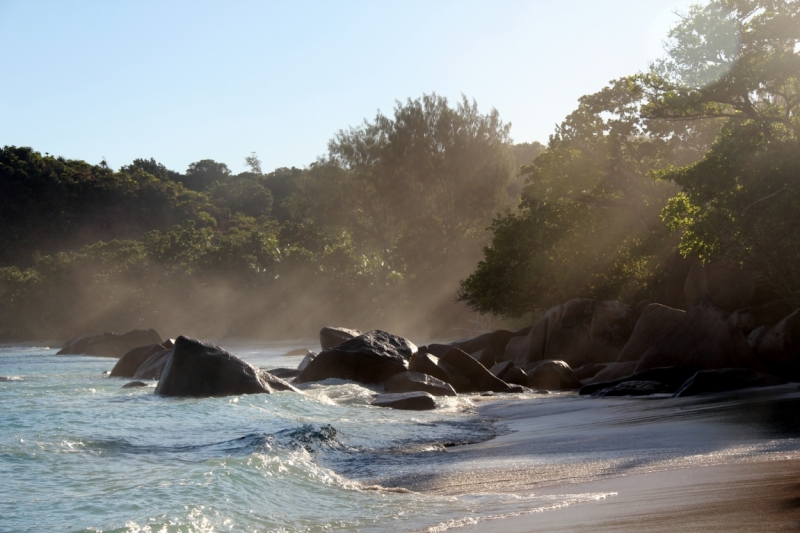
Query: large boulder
{"points": [[153, 366], [412, 401], [588, 370], [478, 375], [553, 375], [726, 379], [671, 378], [769, 314], [704, 339], [310, 356], [515, 376], [200, 369], [110, 344], [779, 347], [656, 320], [372, 357], [614, 371], [492, 345], [417, 382], [129, 363], [330, 336], [578, 332], [431, 365]]}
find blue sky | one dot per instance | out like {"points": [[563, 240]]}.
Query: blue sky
{"points": [[181, 81]]}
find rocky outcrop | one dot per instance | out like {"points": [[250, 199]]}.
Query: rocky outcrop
{"points": [[284, 373], [553, 375], [129, 363], [704, 339], [199, 369], [580, 331], [134, 385], [670, 377], [427, 363], [479, 376], [331, 336], [492, 346], [417, 382], [768, 314], [779, 348], [110, 344], [588, 371], [411, 401], [726, 379], [372, 357], [655, 322], [614, 371], [310, 356]]}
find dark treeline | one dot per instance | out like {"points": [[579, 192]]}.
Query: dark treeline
{"points": [[698, 156]]}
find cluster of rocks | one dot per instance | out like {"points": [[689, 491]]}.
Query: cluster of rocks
{"points": [[601, 348]]}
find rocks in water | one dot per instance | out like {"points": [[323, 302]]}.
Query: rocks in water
{"points": [[655, 322], [492, 346], [588, 370], [500, 368], [726, 379], [129, 363], [614, 371], [779, 348], [517, 389], [671, 377], [200, 369], [331, 336], [431, 365], [306, 360], [704, 339], [633, 388], [110, 344], [134, 384], [411, 401], [284, 373], [478, 375], [416, 382], [152, 368], [579, 331], [553, 375], [515, 376], [298, 351], [372, 357]]}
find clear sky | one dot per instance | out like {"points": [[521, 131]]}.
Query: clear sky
{"points": [[181, 81]]}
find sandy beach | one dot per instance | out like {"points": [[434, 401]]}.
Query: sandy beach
{"points": [[722, 462]]}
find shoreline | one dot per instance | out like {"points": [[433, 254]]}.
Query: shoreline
{"points": [[718, 462]]}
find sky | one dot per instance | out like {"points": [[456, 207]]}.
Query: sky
{"points": [[181, 81]]}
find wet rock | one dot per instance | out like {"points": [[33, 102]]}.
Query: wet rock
{"points": [[110, 344], [500, 368], [704, 339], [671, 377], [411, 401], [655, 322], [633, 388], [517, 389], [134, 384], [331, 336], [478, 375], [515, 376], [553, 375], [417, 382], [152, 368], [579, 331], [726, 379], [298, 351], [431, 365], [372, 357], [129, 363], [200, 369], [588, 370], [310, 356], [285, 373], [779, 348], [614, 371], [485, 357]]}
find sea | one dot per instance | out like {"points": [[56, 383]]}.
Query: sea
{"points": [[79, 453]]}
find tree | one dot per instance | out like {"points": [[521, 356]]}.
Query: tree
{"points": [[203, 174], [741, 201]]}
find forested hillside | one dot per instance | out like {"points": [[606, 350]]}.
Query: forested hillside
{"points": [[698, 157]]}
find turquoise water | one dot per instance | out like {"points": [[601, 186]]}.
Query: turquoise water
{"points": [[79, 453]]}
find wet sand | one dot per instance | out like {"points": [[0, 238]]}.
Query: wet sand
{"points": [[721, 462]]}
